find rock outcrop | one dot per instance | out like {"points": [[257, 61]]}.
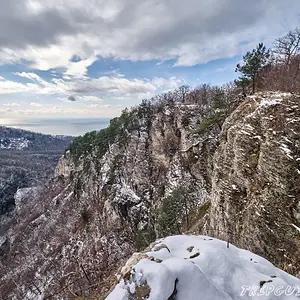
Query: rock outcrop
{"points": [[256, 179], [211, 270]]}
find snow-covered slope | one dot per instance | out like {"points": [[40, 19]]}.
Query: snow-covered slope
{"points": [[200, 267], [14, 143], [19, 139]]}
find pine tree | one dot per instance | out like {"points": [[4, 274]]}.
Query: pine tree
{"points": [[243, 83], [253, 62], [173, 213]]}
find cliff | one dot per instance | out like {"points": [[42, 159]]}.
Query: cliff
{"points": [[159, 170], [256, 182], [102, 205]]}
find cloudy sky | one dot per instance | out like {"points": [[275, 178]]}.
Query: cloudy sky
{"points": [[89, 59]]}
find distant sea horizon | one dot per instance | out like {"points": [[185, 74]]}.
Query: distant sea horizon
{"points": [[63, 126]]}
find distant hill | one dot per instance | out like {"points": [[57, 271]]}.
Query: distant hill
{"points": [[26, 159], [19, 139]]}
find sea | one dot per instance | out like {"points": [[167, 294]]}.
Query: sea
{"points": [[67, 126]]}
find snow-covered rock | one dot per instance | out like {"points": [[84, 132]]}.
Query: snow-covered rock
{"points": [[14, 143], [201, 267]]}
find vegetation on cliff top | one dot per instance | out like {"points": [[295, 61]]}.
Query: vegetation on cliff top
{"points": [[213, 103], [118, 128]]}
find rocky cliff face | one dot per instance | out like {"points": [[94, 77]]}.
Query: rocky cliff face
{"points": [[100, 208], [71, 239], [256, 181]]}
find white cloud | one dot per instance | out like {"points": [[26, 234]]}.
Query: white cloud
{"points": [[11, 104], [34, 104], [78, 69], [8, 87], [75, 95], [192, 31], [99, 105], [60, 111], [89, 89], [91, 98], [31, 76]]}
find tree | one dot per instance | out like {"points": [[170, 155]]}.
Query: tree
{"points": [[288, 46], [253, 63], [173, 213], [218, 110], [243, 83], [182, 93]]}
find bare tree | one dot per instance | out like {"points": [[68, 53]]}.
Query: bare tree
{"points": [[202, 93], [288, 46], [182, 93]]}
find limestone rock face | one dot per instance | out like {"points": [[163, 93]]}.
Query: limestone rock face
{"points": [[256, 181], [70, 240], [65, 166], [23, 195]]}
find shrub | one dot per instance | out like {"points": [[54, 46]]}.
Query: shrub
{"points": [[173, 213], [144, 237], [217, 113]]}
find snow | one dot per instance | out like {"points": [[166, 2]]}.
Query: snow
{"points": [[159, 277], [2, 240], [120, 294], [286, 150], [124, 192], [267, 102], [296, 227], [245, 132], [200, 267], [234, 187], [14, 143]]}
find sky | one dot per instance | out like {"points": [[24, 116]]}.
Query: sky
{"points": [[78, 59]]}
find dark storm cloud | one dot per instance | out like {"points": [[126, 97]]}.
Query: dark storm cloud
{"points": [[20, 27], [72, 98]]}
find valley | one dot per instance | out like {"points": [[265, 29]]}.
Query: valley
{"points": [[26, 159]]}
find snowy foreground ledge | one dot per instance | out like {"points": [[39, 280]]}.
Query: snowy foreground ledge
{"points": [[199, 267]]}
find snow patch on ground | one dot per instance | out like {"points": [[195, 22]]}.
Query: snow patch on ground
{"points": [[267, 102], [296, 227], [286, 150], [14, 143], [199, 267]]}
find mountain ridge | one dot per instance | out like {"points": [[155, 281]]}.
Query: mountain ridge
{"points": [[116, 191]]}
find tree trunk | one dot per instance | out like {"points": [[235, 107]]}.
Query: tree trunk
{"points": [[253, 84], [186, 215]]}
